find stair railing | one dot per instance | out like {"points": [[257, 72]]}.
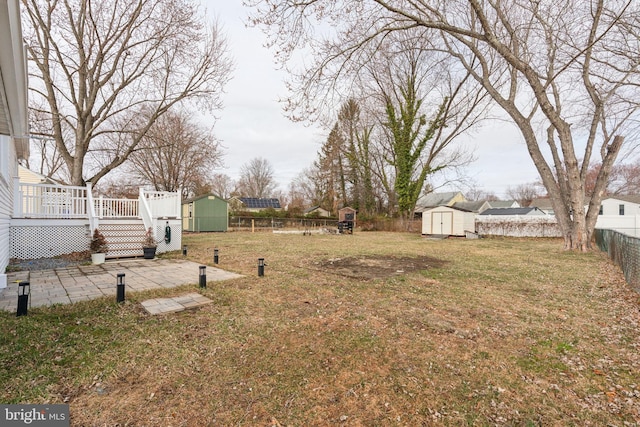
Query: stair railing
{"points": [[94, 221], [145, 212]]}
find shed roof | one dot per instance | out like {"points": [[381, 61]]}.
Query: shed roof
{"points": [[203, 196], [448, 208], [478, 206], [436, 199]]}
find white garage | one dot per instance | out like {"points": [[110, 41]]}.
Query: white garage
{"points": [[447, 221]]}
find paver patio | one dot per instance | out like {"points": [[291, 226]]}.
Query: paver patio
{"points": [[84, 282]]}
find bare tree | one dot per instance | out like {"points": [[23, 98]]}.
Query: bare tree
{"points": [[625, 179], [96, 65], [45, 157], [563, 71], [524, 193], [256, 179], [176, 153], [476, 193], [222, 185]]}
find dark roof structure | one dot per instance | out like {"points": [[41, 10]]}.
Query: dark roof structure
{"points": [[471, 206], [513, 211], [257, 203]]}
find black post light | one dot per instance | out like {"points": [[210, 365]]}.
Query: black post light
{"points": [[184, 250], [203, 276], [24, 289], [215, 255], [120, 287], [261, 265]]}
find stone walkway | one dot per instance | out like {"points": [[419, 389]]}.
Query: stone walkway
{"points": [[85, 282], [175, 304]]}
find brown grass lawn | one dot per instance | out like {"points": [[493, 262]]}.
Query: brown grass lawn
{"points": [[493, 332]]}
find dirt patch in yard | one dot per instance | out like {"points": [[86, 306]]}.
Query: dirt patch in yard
{"points": [[376, 267]]}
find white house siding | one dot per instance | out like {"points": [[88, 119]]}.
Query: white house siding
{"points": [[611, 207], [7, 172], [627, 224]]}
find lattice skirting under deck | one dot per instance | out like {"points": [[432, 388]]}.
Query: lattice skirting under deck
{"points": [[32, 242]]}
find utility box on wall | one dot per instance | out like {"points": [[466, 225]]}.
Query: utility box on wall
{"points": [[205, 213]]}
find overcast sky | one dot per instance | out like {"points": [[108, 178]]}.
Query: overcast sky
{"points": [[252, 123]]}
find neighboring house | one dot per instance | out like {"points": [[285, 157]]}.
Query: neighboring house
{"points": [[475, 207], [433, 200], [28, 176], [620, 205], [253, 204], [205, 213], [530, 211], [317, 211], [14, 142], [620, 213], [447, 221], [544, 204], [501, 204]]}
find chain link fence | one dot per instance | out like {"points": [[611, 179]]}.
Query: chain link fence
{"points": [[242, 223], [624, 250]]}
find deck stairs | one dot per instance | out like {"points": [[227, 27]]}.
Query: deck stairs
{"points": [[124, 236]]}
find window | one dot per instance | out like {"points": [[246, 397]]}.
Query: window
{"points": [[600, 211], [621, 209]]}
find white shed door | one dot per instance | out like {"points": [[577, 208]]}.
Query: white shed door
{"points": [[442, 222]]}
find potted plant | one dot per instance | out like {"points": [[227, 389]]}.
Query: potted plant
{"points": [[98, 247], [149, 244]]}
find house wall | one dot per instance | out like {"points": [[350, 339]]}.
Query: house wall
{"points": [[628, 224], [612, 207], [28, 176], [8, 169]]}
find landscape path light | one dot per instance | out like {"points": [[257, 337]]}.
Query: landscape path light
{"points": [[203, 276], [24, 289], [120, 287]]}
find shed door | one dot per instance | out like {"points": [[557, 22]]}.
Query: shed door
{"points": [[442, 222]]}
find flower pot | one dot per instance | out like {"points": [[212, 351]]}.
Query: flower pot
{"points": [[149, 253], [97, 258]]}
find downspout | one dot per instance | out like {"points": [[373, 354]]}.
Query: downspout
{"points": [[17, 198]]}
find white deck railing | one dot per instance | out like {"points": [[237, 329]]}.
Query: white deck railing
{"points": [[50, 201], [62, 201], [116, 208]]}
